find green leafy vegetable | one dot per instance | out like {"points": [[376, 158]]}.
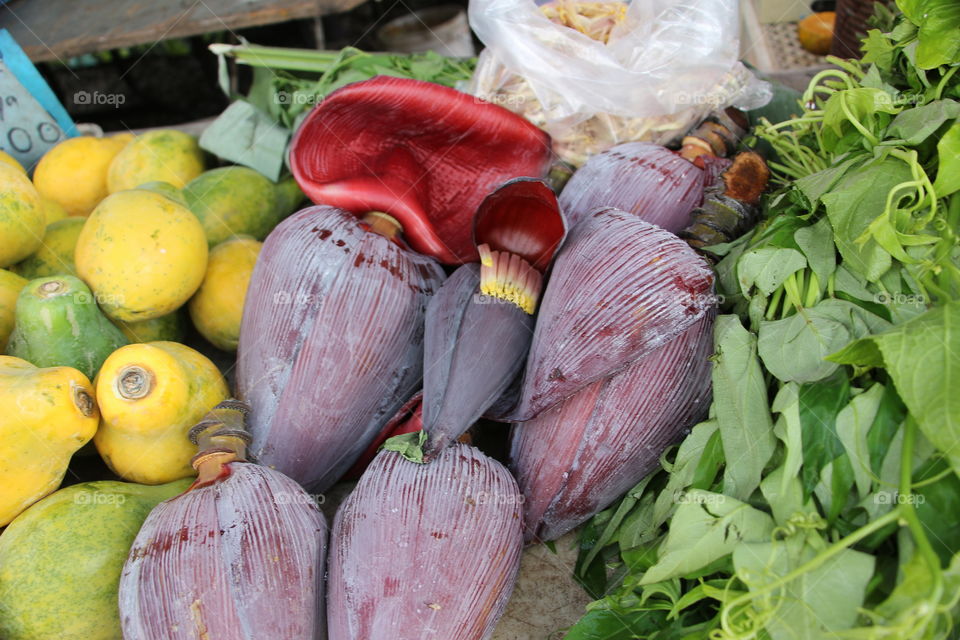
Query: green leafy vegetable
{"points": [[814, 603], [939, 36], [740, 405], [922, 357], [835, 377], [245, 135], [820, 403], [948, 152], [409, 445], [706, 527]]}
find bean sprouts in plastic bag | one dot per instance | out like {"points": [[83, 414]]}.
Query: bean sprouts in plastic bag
{"points": [[595, 74]]}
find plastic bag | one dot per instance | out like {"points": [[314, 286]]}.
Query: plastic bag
{"points": [[666, 65]]}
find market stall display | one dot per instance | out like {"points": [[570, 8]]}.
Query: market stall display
{"points": [[719, 351]]}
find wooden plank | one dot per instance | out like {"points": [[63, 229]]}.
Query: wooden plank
{"points": [[60, 29]]}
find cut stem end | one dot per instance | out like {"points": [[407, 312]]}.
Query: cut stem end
{"points": [[134, 382], [83, 401], [221, 438], [51, 288], [383, 223]]}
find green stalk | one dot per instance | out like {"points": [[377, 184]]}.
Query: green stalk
{"points": [[813, 291], [794, 299], [817, 79], [774, 303], [286, 58], [909, 514], [903, 511], [815, 562], [934, 478], [856, 123], [943, 82]]}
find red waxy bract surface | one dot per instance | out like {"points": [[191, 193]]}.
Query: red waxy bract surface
{"points": [[648, 180], [241, 559], [425, 552], [424, 153], [331, 342], [522, 217], [577, 457], [620, 288]]}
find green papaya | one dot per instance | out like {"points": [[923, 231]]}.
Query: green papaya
{"points": [[169, 328], [165, 189], [289, 196], [55, 255], [232, 201], [58, 323], [61, 559]]}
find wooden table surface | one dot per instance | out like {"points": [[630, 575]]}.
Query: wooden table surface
{"points": [[60, 29]]}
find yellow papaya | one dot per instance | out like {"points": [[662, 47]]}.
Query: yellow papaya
{"points": [[9, 160], [122, 139], [165, 154], [10, 286], [217, 306], [149, 396], [142, 254], [22, 219], [52, 210], [55, 255], [74, 172], [51, 413]]}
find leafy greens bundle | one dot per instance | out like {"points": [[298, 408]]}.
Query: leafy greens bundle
{"points": [[821, 498]]}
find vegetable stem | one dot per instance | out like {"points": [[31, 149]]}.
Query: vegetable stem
{"points": [[855, 122], [906, 509], [774, 303], [943, 82], [792, 289], [286, 58], [815, 562], [813, 290]]}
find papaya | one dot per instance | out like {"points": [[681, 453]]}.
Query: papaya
{"points": [[165, 154], [171, 327], [58, 323], [55, 255], [50, 414], [150, 395], [10, 161], [142, 254], [233, 201], [217, 307], [123, 139], [61, 559], [22, 221], [52, 211], [289, 196], [10, 286], [74, 172], [165, 189]]}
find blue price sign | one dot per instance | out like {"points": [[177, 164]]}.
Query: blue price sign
{"points": [[31, 117], [26, 129]]}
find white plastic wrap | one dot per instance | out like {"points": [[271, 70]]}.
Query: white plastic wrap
{"points": [[666, 65]]}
